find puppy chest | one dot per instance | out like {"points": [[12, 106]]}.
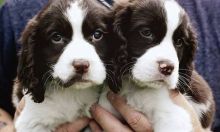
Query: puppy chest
{"points": [[146, 100]]}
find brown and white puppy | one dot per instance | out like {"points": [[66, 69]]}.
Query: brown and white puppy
{"points": [[160, 44], [61, 63]]}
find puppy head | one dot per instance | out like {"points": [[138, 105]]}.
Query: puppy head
{"points": [[66, 44], [160, 42]]}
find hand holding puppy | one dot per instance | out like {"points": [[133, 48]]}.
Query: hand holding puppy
{"points": [[103, 120]]}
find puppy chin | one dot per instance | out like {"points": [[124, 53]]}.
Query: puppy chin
{"points": [[150, 78], [82, 85], [79, 83], [156, 83], [151, 84]]}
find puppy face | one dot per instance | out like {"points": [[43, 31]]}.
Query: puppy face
{"points": [[65, 43], [160, 42]]}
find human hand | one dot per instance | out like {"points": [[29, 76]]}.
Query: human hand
{"points": [[6, 123], [8, 128], [181, 101], [135, 120], [7, 120], [75, 126]]}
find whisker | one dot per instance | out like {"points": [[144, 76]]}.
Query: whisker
{"points": [[111, 79], [127, 64], [48, 72], [180, 86], [110, 71], [47, 79], [184, 74], [125, 71], [185, 70], [184, 82]]}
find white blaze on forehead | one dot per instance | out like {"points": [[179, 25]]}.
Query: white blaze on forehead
{"points": [[76, 16], [165, 51], [78, 48], [173, 11]]}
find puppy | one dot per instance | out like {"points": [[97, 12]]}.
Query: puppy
{"points": [[61, 64], [160, 44]]}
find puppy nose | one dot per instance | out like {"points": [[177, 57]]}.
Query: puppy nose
{"points": [[166, 68], [81, 66]]}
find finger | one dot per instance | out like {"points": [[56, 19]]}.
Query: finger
{"points": [[76, 126], [181, 101], [19, 108], [8, 128], [104, 118], [135, 120], [95, 127], [174, 93]]}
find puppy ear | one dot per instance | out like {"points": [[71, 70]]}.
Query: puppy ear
{"points": [[122, 14], [28, 72], [186, 63]]}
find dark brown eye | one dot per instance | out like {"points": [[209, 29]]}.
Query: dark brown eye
{"points": [[147, 33], [97, 35], [179, 42], [57, 38]]}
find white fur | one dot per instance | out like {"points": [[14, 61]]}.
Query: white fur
{"points": [[199, 108], [155, 104], [65, 105], [59, 106], [146, 93], [79, 48], [165, 51]]}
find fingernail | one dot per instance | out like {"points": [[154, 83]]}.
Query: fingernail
{"points": [[111, 96]]}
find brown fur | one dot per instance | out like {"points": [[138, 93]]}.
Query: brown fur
{"points": [[128, 18], [200, 92], [38, 53]]}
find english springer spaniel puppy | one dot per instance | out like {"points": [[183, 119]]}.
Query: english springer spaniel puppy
{"points": [[61, 64], [160, 44]]}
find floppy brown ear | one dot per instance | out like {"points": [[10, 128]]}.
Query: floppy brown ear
{"points": [[186, 63], [121, 19], [28, 69]]}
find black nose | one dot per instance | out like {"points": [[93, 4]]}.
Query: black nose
{"points": [[81, 66], [166, 68]]}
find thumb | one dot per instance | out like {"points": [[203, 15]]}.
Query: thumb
{"points": [[19, 108]]}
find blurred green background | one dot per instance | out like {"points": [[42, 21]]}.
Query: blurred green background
{"points": [[1, 2]]}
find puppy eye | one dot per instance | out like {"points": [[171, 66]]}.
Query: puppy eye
{"points": [[179, 42], [146, 33], [57, 38], [97, 35]]}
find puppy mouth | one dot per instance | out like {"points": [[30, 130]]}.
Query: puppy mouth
{"points": [[76, 79], [151, 83], [161, 81]]}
